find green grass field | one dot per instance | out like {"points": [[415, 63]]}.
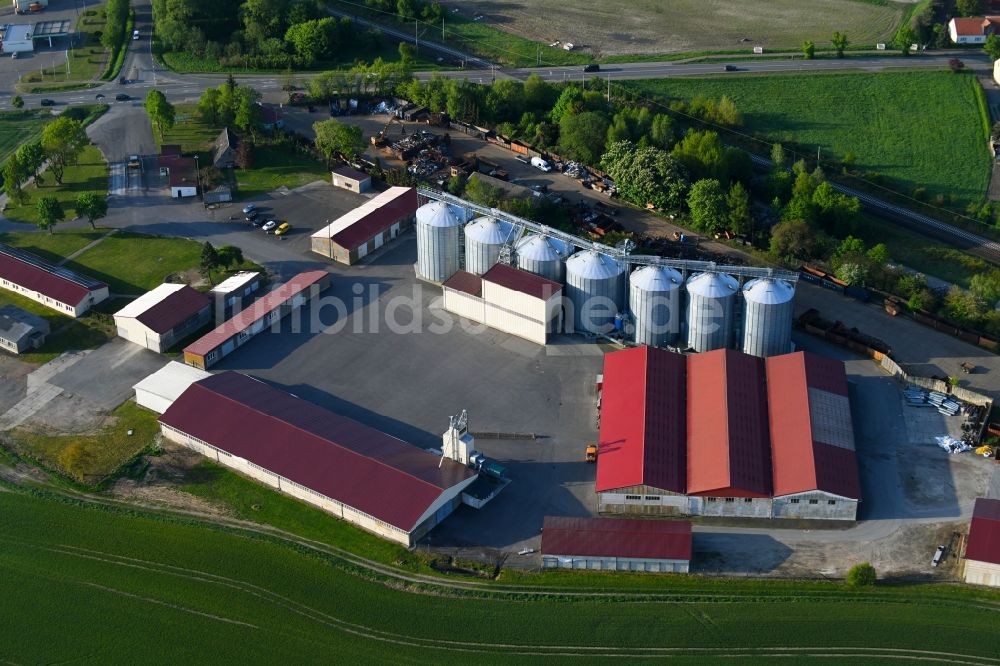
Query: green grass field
{"points": [[134, 263], [86, 59], [190, 131], [54, 246], [89, 174], [93, 457], [113, 585], [274, 166], [17, 127], [919, 129]]}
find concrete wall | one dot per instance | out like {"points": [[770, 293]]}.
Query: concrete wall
{"points": [[356, 186], [596, 563], [644, 500], [288, 487], [815, 506], [982, 573]]}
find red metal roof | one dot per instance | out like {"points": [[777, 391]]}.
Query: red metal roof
{"points": [[36, 274], [257, 311], [174, 310], [466, 282], [643, 426], [378, 220], [799, 462], [728, 449], [984, 532], [331, 454], [616, 537], [970, 26], [522, 281]]}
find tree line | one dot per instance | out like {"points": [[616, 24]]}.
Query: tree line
{"points": [[267, 34]]}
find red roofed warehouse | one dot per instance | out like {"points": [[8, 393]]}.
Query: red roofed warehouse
{"points": [[264, 312], [368, 227], [616, 544], [364, 476], [643, 432], [162, 317], [59, 288], [982, 553], [815, 468], [507, 299], [724, 433]]}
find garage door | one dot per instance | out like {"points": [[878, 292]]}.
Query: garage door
{"points": [[228, 346], [378, 241]]}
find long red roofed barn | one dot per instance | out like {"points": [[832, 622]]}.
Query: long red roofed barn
{"points": [[359, 232], [53, 286], [723, 433], [616, 544], [355, 472]]}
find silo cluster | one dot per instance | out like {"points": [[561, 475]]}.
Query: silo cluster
{"points": [[710, 311], [543, 255], [654, 305]]}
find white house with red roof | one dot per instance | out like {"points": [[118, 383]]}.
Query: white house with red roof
{"points": [[59, 288], [972, 29], [982, 551]]}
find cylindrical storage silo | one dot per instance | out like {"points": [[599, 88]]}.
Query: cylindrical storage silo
{"points": [[654, 303], [711, 298], [543, 256], [439, 238], [484, 238], [595, 287], [767, 321]]}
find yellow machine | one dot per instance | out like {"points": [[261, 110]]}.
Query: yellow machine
{"points": [[591, 453], [379, 139]]}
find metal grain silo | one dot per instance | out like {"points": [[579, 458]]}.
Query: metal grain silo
{"points": [[484, 238], [767, 321], [654, 303], [711, 299], [595, 285], [439, 240], [543, 256]]}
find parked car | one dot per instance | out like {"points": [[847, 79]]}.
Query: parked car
{"points": [[249, 208], [269, 225], [122, 97], [592, 67], [251, 216], [135, 35], [282, 229], [47, 102], [730, 68], [257, 221], [99, 96], [938, 556]]}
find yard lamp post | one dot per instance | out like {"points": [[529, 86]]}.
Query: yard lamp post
{"points": [[197, 177]]}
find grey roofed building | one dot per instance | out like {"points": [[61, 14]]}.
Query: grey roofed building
{"points": [[21, 331], [224, 149]]}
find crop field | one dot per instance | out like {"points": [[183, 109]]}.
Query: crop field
{"points": [[17, 127], [614, 27], [918, 129], [111, 585]]}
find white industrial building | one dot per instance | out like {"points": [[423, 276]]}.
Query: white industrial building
{"points": [[358, 233], [17, 39], [354, 472], [161, 318], [351, 179], [507, 299], [159, 390], [235, 293]]}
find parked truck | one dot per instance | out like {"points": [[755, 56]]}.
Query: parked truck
{"points": [[541, 164], [591, 453]]}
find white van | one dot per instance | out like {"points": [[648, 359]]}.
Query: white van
{"points": [[135, 35], [541, 164]]}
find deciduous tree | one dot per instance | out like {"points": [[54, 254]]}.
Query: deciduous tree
{"points": [[738, 205], [808, 50], [92, 206], [707, 203], [335, 138], [992, 46], [161, 112], [50, 213], [839, 42], [63, 140], [582, 136]]}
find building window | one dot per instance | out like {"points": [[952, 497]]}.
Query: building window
{"points": [[747, 499], [654, 498], [831, 502], [794, 500], [633, 497], [730, 499], [814, 501], [709, 499]]}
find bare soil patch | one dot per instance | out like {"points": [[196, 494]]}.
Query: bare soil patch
{"points": [[653, 26]]}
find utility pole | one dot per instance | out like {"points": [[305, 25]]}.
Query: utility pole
{"points": [[442, 30], [817, 155], [416, 35], [609, 87]]}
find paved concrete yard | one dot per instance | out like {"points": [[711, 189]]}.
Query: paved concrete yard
{"points": [[407, 384]]}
